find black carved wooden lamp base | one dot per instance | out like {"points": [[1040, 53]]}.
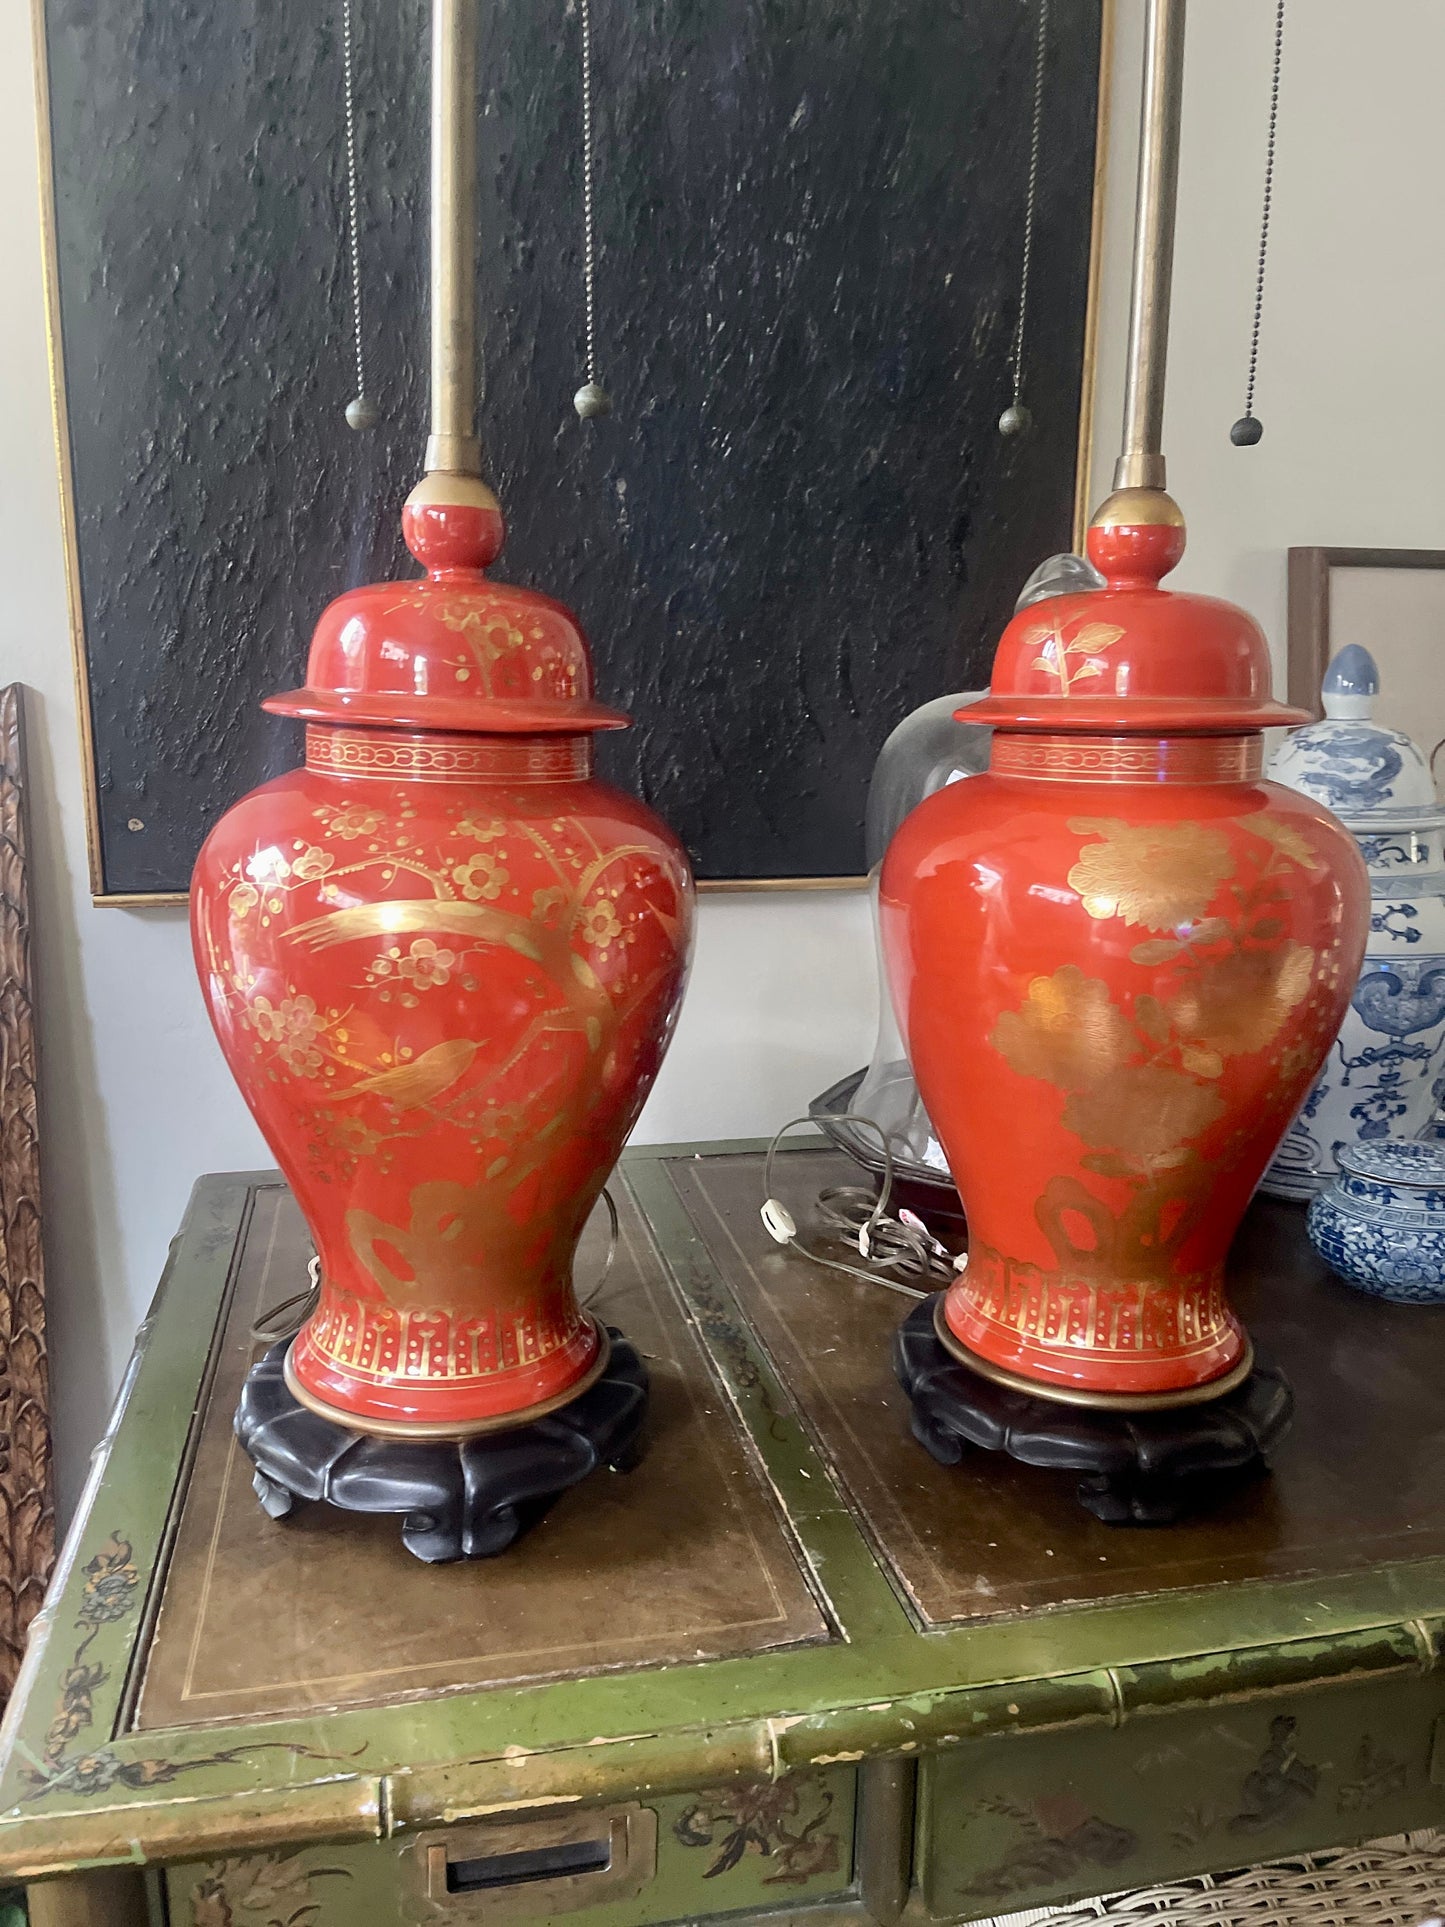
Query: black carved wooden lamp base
{"points": [[1139, 1468], [464, 1498]]}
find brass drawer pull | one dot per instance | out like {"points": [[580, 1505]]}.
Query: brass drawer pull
{"points": [[549, 1863]]}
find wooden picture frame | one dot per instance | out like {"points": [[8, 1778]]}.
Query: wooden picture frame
{"points": [[27, 1499], [1318, 626]]}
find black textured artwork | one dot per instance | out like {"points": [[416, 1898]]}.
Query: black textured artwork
{"points": [[457, 1498], [1139, 1468], [801, 520]]}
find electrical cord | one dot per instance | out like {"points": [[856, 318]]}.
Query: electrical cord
{"points": [[902, 1245]]}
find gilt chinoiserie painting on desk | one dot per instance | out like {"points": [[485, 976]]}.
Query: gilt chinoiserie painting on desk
{"points": [[800, 518]]}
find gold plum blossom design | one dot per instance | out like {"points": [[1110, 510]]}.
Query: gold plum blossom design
{"points": [[243, 899], [353, 821], [600, 926], [427, 963], [293, 1026], [268, 867], [481, 878], [481, 829], [355, 1138], [489, 634], [312, 864]]}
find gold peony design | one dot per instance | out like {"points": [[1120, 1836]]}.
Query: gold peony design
{"points": [[1141, 1078], [1145, 1112], [1158, 876], [1287, 840], [1068, 1031], [1240, 1003]]}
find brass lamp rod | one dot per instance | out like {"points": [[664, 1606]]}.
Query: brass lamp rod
{"points": [[452, 447], [1141, 463]]}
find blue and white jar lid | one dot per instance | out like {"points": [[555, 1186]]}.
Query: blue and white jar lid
{"points": [[1410, 1163], [1373, 778]]}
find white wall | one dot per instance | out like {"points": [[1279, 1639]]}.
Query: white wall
{"points": [[135, 1099], [1352, 374]]}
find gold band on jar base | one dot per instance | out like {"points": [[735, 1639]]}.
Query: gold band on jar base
{"points": [[1099, 1401], [448, 1429]]}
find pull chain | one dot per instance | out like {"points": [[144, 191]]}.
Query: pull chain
{"points": [[1016, 418], [1248, 429], [592, 399], [360, 410]]}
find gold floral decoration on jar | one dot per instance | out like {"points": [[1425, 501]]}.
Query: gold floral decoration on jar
{"points": [[600, 926], [481, 879], [1154, 875], [353, 821], [312, 864], [427, 964]]}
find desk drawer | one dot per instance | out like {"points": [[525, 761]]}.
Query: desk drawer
{"points": [[749, 1849], [1026, 1821]]}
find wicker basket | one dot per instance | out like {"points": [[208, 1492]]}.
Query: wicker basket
{"points": [[1397, 1882]]}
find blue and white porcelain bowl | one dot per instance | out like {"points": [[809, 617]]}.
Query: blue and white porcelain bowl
{"points": [[1381, 1223]]}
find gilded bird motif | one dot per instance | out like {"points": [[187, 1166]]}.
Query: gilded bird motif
{"points": [[426, 1077], [398, 918]]}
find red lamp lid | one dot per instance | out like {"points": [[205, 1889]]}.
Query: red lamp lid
{"points": [[450, 651], [1132, 656]]}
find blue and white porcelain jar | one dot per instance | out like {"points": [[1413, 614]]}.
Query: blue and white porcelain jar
{"points": [[1381, 1223], [1383, 1077]]}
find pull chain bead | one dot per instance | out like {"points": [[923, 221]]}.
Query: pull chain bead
{"points": [[1248, 430]]}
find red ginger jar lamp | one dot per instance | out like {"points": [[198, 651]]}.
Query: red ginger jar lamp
{"points": [[443, 960], [1119, 957]]}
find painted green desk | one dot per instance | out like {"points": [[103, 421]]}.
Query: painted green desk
{"points": [[789, 1669]]}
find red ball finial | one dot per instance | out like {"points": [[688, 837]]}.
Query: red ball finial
{"points": [[1136, 537], [452, 522]]}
